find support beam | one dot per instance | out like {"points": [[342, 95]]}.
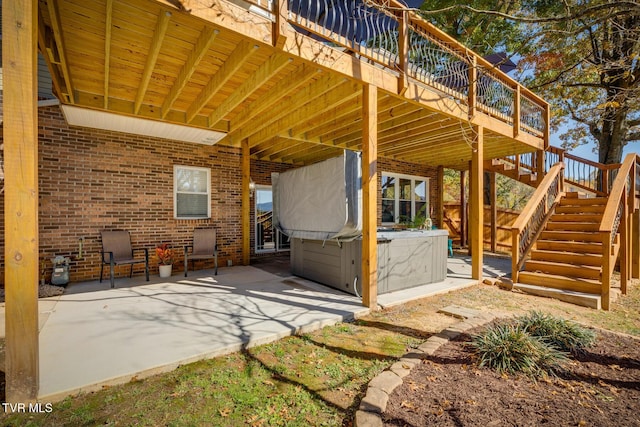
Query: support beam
{"points": [[246, 203], [463, 209], [440, 203], [20, 112], [494, 211], [280, 27], [476, 199], [403, 51], [635, 245], [369, 197]]}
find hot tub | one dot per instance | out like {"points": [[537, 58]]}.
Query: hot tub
{"points": [[406, 259]]}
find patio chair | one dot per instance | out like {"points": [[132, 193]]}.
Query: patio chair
{"points": [[117, 250], [204, 247]]}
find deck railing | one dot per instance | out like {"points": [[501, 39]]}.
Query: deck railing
{"points": [[534, 216], [592, 176], [386, 34], [617, 217]]}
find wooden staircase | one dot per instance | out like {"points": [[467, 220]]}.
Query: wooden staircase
{"points": [[508, 168], [567, 258]]}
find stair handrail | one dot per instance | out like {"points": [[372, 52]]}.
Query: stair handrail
{"points": [[534, 216], [620, 205], [585, 170]]}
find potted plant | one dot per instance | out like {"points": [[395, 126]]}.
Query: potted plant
{"points": [[165, 259]]}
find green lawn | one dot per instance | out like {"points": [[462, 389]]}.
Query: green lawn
{"points": [[316, 379]]}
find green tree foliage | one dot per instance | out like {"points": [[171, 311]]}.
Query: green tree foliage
{"points": [[510, 194], [583, 56], [478, 31]]}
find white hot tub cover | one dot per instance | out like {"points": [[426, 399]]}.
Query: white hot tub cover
{"points": [[322, 201]]}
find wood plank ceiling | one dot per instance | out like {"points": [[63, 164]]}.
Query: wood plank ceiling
{"points": [[144, 58]]}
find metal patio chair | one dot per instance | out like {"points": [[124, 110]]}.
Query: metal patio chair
{"points": [[204, 247], [117, 250]]}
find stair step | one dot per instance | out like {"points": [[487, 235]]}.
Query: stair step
{"points": [[562, 269], [574, 201], [573, 226], [571, 236], [567, 257], [593, 218], [554, 281], [575, 247], [578, 298], [580, 209]]}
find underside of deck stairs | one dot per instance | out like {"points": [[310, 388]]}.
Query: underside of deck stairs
{"points": [[522, 175], [566, 262]]}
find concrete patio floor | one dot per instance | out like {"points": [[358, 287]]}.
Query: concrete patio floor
{"points": [[93, 336]]}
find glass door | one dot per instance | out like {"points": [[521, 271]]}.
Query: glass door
{"points": [[268, 238]]}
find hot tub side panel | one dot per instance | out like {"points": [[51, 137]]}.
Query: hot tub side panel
{"points": [[403, 262], [412, 262]]}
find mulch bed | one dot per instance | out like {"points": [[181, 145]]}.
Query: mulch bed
{"points": [[598, 388]]}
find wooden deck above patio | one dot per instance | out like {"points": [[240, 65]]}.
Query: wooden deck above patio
{"points": [[288, 79]]}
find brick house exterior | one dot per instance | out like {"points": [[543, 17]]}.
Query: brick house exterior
{"points": [[91, 180]]}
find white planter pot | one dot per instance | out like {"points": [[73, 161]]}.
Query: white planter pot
{"points": [[165, 270]]}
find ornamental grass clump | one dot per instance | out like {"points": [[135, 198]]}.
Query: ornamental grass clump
{"points": [[535, 344], [562, 334], [508, 348]]}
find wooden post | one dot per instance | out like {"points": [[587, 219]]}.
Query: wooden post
{"points": [[463, 210], [540, 165], [605, 290], [494, 212], [279, 26], [635, 245], [246, 203], [473, 86], [631, 204], [476, 199], [440, 206], [369, 196], [20, 111], [516, 112], [624, 245], [403, 51]]}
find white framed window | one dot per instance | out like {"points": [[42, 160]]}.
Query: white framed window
{"points": [[191, 192], [404, 197]]}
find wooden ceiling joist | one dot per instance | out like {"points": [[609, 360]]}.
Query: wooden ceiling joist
{"points": [[152, 57], [216, 68], [46, 46], [204, 43], [320, 104], [334, 107], [56, 26], [238, 57], [284, 89], [344, 120], [270, 147], [287, 106], [271, 67], [107, 49]]}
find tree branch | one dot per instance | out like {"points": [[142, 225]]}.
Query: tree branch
{"points": [[633, 136], [591, 10]]}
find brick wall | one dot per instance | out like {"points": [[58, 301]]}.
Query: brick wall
{"points": [[91, 180]]}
